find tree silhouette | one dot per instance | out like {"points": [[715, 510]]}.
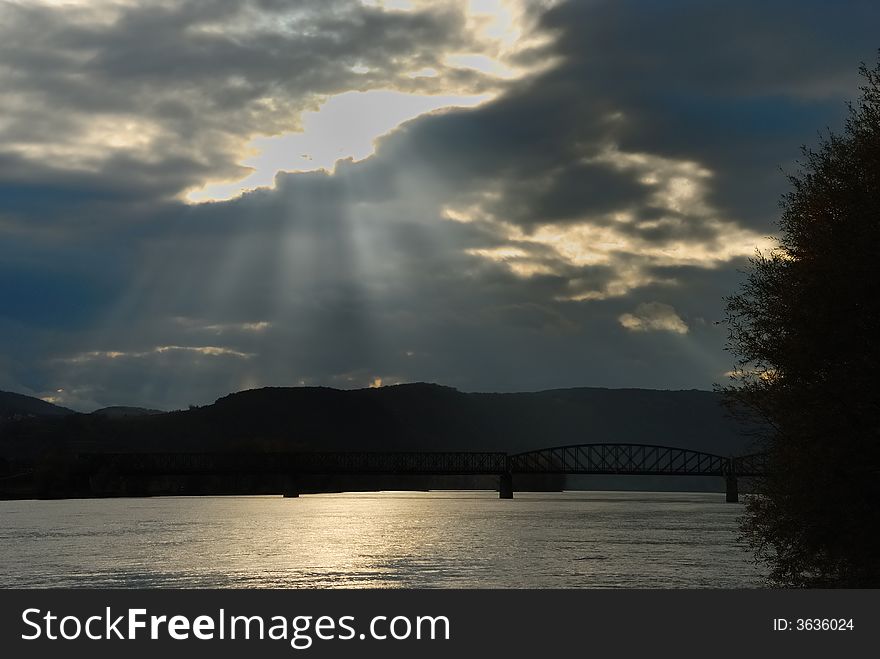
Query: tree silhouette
{"points": [[805, 328]]}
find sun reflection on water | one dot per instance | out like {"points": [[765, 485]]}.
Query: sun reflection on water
{"points": [[378, 540]]}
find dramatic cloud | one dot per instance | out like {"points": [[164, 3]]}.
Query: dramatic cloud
{"points": [[492, 195], [654, 316], [166, 96]]}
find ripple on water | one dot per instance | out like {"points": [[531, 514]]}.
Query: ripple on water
{"points": [[385, 540]]}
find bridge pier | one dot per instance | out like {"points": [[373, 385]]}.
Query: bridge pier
{"points": [[732, 487], [290, 489], [505, 486]]}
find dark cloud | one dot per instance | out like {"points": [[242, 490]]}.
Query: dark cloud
{"points": [[735, 86]]}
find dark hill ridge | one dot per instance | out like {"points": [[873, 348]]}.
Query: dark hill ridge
{"points": [[14, 405], [413, 417], [121, 410], [432, 417]]}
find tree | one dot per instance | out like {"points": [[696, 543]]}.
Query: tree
{"points": [[805, 328]]}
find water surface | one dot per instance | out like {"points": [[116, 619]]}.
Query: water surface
{"points": [[386, 540]]}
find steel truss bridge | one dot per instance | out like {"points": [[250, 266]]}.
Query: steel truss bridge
{"points": [[577, 459]]}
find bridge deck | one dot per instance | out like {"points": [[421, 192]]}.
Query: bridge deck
{"points": [[637, 459]]}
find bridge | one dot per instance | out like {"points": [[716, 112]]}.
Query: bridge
{"points": [[576, 459]]}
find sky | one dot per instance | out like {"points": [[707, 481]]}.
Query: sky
{"points": [[204, 196]]}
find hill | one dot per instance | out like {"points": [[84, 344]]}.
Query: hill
{"points": [[412, 417], [433, 417], [19, 405], [117, 411]]}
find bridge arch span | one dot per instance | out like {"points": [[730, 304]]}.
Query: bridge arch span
{"points": [[617, 458]]}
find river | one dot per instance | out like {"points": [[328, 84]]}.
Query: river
{"points": [[384, 540]]}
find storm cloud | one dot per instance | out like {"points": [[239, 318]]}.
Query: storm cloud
{"points": [[578, 228]]}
